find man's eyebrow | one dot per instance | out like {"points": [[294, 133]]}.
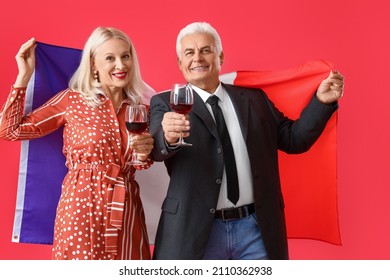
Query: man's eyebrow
{"points": [[202, 48]]}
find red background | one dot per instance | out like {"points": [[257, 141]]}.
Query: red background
{"points": [[256, 35]]}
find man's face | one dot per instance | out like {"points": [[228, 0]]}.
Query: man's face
{"points": [[200, 62]]}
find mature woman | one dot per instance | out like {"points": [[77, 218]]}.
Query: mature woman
{"points": [[99, 214]]}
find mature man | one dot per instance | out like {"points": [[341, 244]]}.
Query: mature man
{"points": [[224, 199]]}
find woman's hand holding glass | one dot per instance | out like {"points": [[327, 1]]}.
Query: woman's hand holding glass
{"points": [[142, 145], [141, 141]]}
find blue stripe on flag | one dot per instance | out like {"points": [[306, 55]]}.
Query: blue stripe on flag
{"points": [[42, 164]]}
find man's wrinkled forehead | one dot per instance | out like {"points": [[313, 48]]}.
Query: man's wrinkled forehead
{"points": [[197, 41]]}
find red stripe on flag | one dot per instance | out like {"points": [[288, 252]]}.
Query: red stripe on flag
{"points": [[309, 180]]}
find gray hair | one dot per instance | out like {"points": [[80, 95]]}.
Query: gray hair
{"points": [[195, 28], [83, 81]]}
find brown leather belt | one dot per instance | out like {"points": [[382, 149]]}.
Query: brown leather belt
{"points": [[228, 214]]}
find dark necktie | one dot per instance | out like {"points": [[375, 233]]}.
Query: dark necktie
{"points": [[230, 162]]}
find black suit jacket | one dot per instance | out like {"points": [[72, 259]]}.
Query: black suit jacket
{"points": [[195, 172]]}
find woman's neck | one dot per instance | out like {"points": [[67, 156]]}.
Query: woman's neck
{"points": [[116, 98]]}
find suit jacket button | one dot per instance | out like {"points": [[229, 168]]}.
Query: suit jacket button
{"points": [[219, 150], [212, 210], [218, 181]]}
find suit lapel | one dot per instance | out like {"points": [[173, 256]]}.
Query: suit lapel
{"points": [[241, 105], [200, 109]]}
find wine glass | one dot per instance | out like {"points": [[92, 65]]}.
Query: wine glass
{"points": [[181, 101], [136, 118]]}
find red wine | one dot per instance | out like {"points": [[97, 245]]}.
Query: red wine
{"points": [[136, 127], [181, 108]]}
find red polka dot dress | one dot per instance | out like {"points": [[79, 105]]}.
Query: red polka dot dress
{"points": [[99, 214]]}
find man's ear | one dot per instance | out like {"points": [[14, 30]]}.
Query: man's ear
{"points": [[221, 58], [178, 61]]}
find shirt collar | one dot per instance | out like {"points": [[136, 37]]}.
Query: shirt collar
{"points": [[205, 95]]}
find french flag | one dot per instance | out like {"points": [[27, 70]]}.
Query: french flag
{"points": [[309, 180]]}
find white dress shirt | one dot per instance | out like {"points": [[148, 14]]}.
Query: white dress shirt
{"points": [[239, 147]]}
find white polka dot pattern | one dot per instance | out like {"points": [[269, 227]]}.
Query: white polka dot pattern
{"points": [[94, 138]]}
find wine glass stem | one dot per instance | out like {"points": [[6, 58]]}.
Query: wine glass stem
{"points": [[181, 137]]}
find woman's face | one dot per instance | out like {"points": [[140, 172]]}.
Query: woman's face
{"points": [[114, 63]]}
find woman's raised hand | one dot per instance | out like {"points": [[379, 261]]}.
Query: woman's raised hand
{"points": [[25, 59]]}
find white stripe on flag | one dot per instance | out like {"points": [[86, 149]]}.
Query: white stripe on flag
{"points": [[19, 208], [228, 78]]}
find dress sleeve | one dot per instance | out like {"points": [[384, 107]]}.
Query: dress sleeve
{"points": [[148, 163], [14, 125]]}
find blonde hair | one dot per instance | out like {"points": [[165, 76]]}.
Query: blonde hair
{"points": [[83, 81]]}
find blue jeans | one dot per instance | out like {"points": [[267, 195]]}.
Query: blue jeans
{"points": [[235, 240]]}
